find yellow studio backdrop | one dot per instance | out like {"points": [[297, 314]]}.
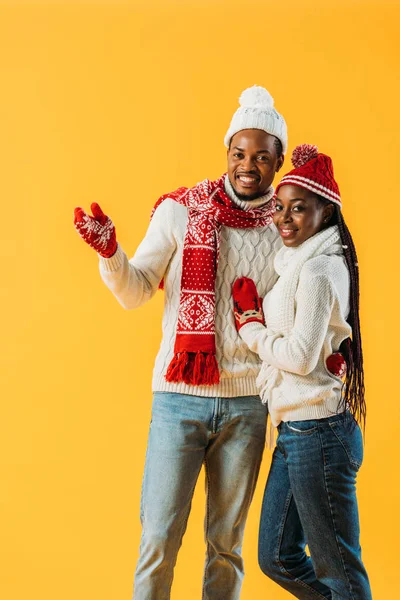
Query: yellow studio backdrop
{"points": [[120, 102]]}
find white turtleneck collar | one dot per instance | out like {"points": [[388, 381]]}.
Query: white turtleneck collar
{"points": [[248, 204], [326, 241]]}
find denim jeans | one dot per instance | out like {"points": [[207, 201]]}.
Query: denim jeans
{"points": [[227, 435], [310, 498]]}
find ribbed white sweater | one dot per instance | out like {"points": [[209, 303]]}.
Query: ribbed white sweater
{"points": [[243, 253], [306, 315]]}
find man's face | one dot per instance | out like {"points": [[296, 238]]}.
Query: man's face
{"points": [[252, 163]]}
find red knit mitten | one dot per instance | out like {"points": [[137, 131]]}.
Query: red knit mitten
{"points": [[98, 230], [247, 303], [336, 364]]}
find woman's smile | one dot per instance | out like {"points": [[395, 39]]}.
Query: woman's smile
{"points": [[287, 233]]}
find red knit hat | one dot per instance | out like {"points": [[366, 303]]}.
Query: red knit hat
{"points": [[312, 171]]}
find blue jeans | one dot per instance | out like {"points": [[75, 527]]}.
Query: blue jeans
{"points": [[310, 498], [228, 436]]}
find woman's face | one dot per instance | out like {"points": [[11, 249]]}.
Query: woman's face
{"points": [[300, 214]]}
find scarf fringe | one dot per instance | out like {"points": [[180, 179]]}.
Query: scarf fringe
{"points": [[193, 368]]}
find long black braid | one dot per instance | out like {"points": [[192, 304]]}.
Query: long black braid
{"points": [[354, 390]]}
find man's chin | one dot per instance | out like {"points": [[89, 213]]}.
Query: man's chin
{"points": [[247, 197]]}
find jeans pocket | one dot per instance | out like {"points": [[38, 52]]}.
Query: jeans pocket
{"points": [[349, 435], [302, 427]]}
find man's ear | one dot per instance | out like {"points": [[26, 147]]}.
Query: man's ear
{"points": [[280, 162]]}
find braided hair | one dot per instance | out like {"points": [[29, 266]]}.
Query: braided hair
{"points": [[353, 388]]}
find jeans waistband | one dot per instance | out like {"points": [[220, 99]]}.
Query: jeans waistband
{"points": [[344, 416]]}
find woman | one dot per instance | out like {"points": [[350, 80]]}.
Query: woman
{"points": [[311, 312]]}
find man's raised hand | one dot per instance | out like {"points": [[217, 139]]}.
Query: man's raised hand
{"points": [[98, 230]]}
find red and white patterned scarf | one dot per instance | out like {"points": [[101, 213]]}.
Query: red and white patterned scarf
{"points": [[209, 207]]}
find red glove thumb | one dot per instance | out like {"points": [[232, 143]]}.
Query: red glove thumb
{"points": [[98, 213]]}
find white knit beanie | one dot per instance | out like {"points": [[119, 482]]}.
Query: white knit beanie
{"points": [[257, 111]]}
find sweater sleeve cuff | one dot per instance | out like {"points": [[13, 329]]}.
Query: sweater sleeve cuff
{"points": [[249, 331], [114, 262]]}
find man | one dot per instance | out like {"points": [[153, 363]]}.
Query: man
{"points": [[206, 409]]}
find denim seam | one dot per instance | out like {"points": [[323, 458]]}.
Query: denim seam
{"points": [[141, 512], [280, 564], [206, 529], [333, 519], [141, 505], [183, 528], [181, 531]]}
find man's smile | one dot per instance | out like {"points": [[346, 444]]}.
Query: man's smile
{"points": [[247, 180]]}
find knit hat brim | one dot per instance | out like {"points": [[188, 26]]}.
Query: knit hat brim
{"points": [[310, 185]]}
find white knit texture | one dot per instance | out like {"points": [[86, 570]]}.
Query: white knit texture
{"points": [[301, 334], [243, 253], [258, 113]]}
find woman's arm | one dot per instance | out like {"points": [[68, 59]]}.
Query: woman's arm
{"points": [[299, 351]]}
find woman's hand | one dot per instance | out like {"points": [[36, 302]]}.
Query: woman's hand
{"points": [[247, 303], [98, 230], [336, 364]]}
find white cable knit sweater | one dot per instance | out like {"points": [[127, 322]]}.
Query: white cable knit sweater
{"points": [[243, 253], [306, 315]]}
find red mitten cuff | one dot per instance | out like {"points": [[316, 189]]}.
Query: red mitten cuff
{"points": [[98, 230], [247, 303]]}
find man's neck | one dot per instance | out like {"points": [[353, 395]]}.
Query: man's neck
{"points": [[247, 204]]}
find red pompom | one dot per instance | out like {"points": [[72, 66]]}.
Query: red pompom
{"points": [[302, 154]]}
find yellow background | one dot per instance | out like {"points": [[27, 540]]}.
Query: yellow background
{"points": [[119, 102]]}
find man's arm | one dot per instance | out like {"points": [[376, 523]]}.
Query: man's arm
{"points": [[135, 281]]}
